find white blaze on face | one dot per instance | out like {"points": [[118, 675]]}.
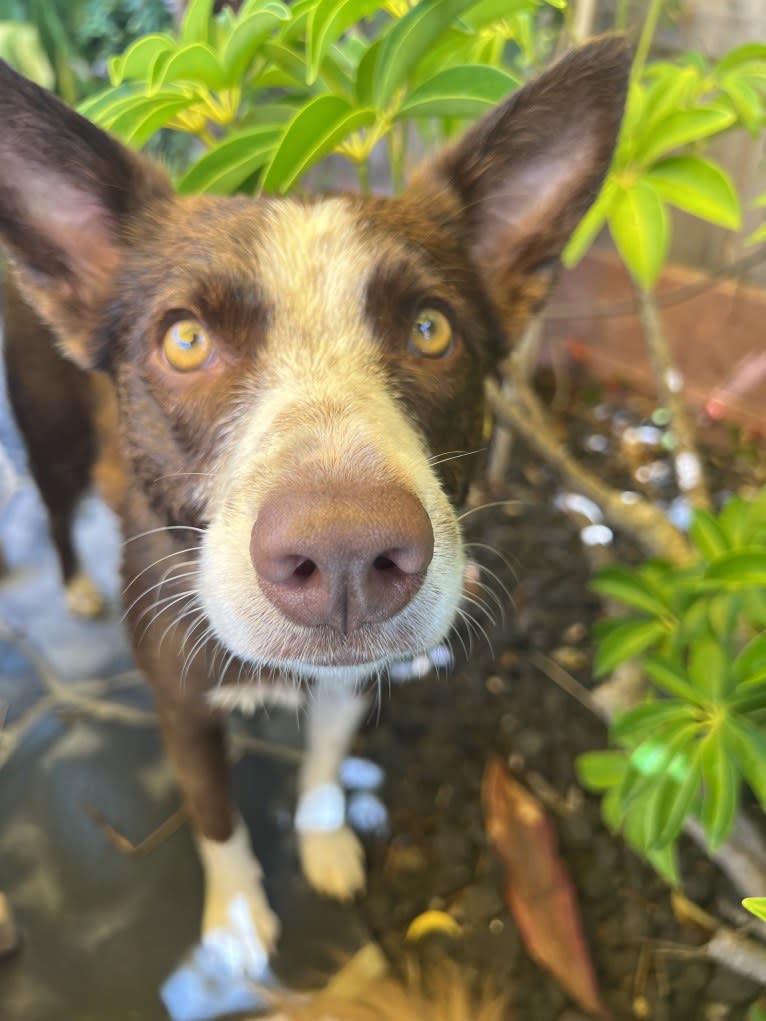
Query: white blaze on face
{"points": [[317, 412]]}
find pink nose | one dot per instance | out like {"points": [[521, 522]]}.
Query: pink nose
{"points": [[341, 559]]}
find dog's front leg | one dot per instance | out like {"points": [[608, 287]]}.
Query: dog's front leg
{"points": [[331, 856], [237, 923]]}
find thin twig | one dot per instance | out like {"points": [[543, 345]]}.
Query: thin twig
{"points": [[686, 459], [641, 519], [123, 844]]}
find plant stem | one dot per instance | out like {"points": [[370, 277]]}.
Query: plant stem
{"points": [[646, 38], [648, 525], [686, 459], [363, 172], [621, 15]]}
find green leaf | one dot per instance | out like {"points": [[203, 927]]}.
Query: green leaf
{"points": [[193, 63], [751, 661], [315, 131], [588, 228], [632, 589], [137, 124], [707, 535], [669, 92], [670, 677], [137, 61], [698, 187], [678, 807], [680, 128], [741, 568], [708, 667], [625, 641], [735, 521], [466, 91], [248, 35], [599, 771], [196, 22], [365, 74], [407, 41], [99, 104], [287, 60], [746, 101], [327, 22], [756, 906], [224, 168], [666, 754], [748, 742], [740, 55], [642, 721], [721, 800], [758, 235], [639, 225]]}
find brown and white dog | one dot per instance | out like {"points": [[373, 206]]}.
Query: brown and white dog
{"points": [[289, 374]]}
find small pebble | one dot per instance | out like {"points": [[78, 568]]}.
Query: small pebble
{"points": [[570, 658], [495, 685], [596, 535], [367, 814], [357, 774]]}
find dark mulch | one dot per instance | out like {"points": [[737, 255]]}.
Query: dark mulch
{"points": [[435, 739]]}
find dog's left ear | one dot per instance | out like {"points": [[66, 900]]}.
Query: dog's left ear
{"points": [[69, 195], [517, 183]]}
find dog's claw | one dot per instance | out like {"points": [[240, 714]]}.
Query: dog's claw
{"points": [[333, 862], [84, 598]]}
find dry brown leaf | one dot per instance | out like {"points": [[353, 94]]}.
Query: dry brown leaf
{"points": [[538, 890]]}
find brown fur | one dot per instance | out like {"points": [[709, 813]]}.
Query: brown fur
{"points": [[109, 257], [441, 995]]}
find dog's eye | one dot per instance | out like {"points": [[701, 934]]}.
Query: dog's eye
{"points": [[431, 333], [186, 345]]}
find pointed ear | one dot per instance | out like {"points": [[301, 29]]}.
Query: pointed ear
{"points": [[68, 195], [517, 183]]}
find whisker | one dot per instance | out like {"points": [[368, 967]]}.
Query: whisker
{"points": [[184, 597], [163, 528], [453, 455], [512, 568], [488, 506], [160, 560], [158, 585]]}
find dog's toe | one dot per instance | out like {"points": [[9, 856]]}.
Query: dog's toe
{"points": [[83, 597], [333, 862]]}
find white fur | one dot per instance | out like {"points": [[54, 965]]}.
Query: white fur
{"points": [[331, 857], [237, 923], [316, 408]]}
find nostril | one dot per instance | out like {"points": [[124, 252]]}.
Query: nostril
{"points": [[413, 558], [305, 568]]}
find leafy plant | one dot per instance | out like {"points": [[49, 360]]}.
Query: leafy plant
{"points": [[672, 110], [74, 38], [756, 906], [699, 633], [271, 90]]}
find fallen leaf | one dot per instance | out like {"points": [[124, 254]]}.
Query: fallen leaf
{"points": [[538, 890]]}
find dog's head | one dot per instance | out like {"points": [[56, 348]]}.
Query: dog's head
{"points": [[295, 375]]}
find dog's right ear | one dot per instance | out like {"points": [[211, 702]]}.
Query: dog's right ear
{"points": [[68, 195]]}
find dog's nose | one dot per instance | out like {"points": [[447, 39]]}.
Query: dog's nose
{"points": [[341, 559]]}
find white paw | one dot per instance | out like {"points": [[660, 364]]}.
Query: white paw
{"points": [[83, 597], [242, 933], [333, 862]]}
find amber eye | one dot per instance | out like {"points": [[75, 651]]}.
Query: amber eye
{"points": [[186, 345], [431, 333]]}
